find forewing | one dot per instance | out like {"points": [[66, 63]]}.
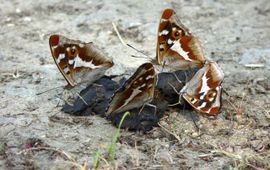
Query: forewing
{"points": [[176, 45], [78, 61], [136, 91]]}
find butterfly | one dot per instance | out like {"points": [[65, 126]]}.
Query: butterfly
{"points": [[179, 49], [176, 46], [137, 91], [203, 91], [79, 62]]}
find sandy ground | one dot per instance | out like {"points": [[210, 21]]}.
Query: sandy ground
{"points": [[34, 134]]}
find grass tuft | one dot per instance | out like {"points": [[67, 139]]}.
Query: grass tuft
{"points": [[115, 139]]}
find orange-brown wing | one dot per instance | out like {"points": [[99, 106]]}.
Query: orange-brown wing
{"points": [[79, 62], [176, 45], [203, 92], [136, 91]]}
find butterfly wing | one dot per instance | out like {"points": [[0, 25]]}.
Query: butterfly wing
{"points": [[176, 45], [79, 62], [203, 92], [136, 91]]}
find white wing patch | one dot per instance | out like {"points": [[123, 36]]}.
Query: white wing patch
{"points": [[203, 105], [177, 48], [205, 87], [163, 20], [80, 63]]}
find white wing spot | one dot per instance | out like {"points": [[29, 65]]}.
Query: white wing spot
{"points": [[70, 62], [54, 47], [163, 20], [203, 105], [202, 96], [170, 41], [66, 70], [143, 85], [211, 99], [164, 32], [60, 57], [81, 45], [193, 100], [148, 77], [161, 46]]}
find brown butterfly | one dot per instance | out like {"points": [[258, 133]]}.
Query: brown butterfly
{"points": [[136, 91], [203, 91], [176, 46], [79, 62]]}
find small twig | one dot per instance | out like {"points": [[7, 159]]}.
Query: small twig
{"points": [[104, 160], [137, 154], [256, 168], [259, 65], [168, 131], [61, 152], [49, 149], [82, 99], [118, 34]]}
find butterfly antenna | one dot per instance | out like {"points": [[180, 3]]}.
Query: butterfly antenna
{"points": [[124, 43], [226, 92], [141, 52], [48, 90], [163, 65], [197, 127]]}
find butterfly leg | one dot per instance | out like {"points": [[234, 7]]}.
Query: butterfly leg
{"points": [[174, 89], [193, 119], [141, 108], [179, 81], [179, 93], [148, 104], [151, 105]]}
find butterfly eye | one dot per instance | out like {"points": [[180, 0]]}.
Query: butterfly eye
{"points": [[72, 51], [176, 33], [211, 95]]}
